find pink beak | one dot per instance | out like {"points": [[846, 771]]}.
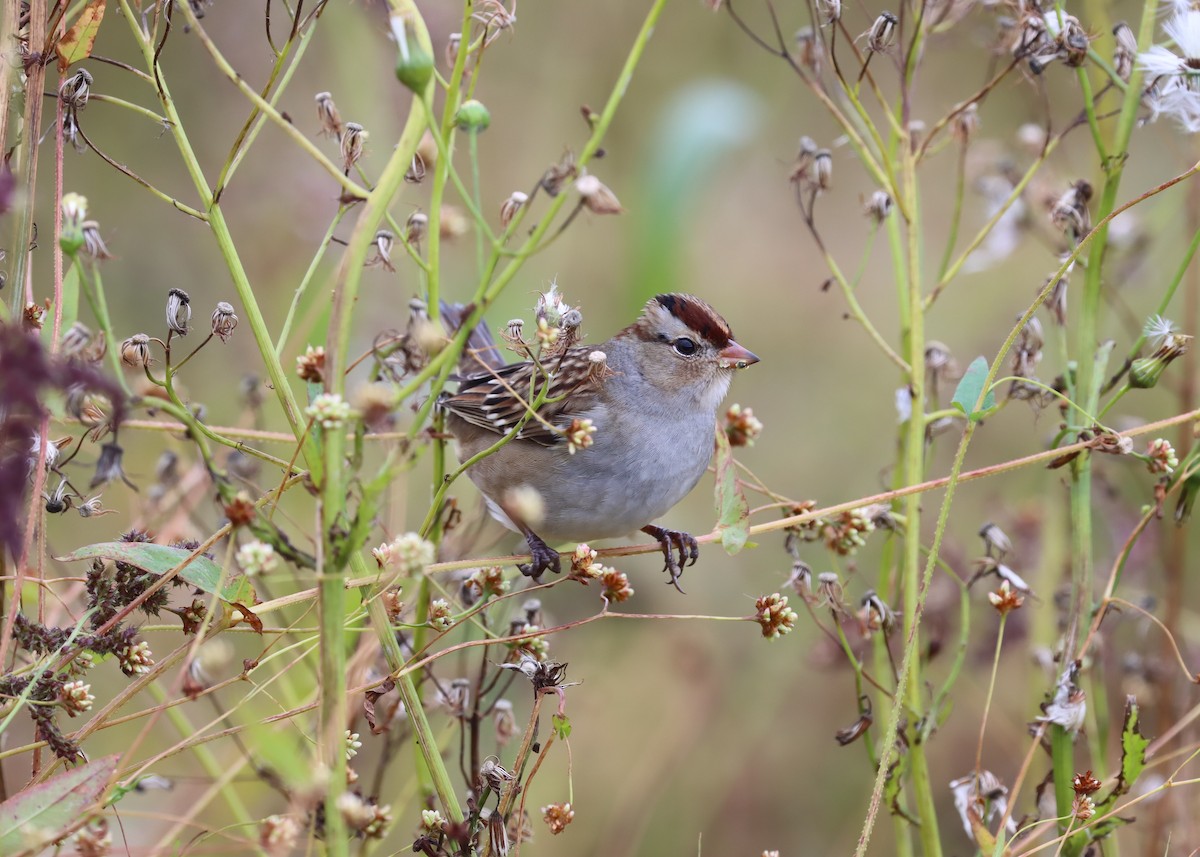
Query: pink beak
{"points": [[737, 355]]}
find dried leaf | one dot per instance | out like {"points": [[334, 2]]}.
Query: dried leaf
{"points": [[76, 44]]}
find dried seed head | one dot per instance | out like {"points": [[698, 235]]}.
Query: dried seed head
{"points": [[996, 542], [598, 369], [353, 140], [558, 175], [823, 169], [980, 796], [882, 32], [1083, 807], [966, 123], [597, 198], [382, 257], [179, 312], [453, 41], [328, 116], [510, 207], [1126, 50], [879, 206], [93, 241], [415, 227], [801, 581], [810, 49], [495, 775], [1068, 709], [874, 614], [74, 90], [505, 720], [833, 9], [1073, 42], [224, 320], [77, 338], [310, 365], [135, 351]]}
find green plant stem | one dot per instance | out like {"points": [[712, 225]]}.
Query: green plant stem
{"points": [[281, 342], [960, 182], [224, 241], [426, 742], [93, 291], [913, 467], [268, 110]]}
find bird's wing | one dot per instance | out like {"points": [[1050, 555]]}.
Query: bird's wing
{"points": [[497, 400]]}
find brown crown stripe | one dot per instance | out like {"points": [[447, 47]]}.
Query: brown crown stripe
{"points": [[699, 316]]}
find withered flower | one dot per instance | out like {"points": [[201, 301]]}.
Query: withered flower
{"points": [[509, 208], [1126, 50], [1085, 784], [93, 241], [597, 198], [135, 351], [108, 466], [882, 32], [557, 816], [328, 116], [415, 227], [310, 365], [224, 320], [382, 258], [879, 206], [352, 142], [179, 312], [996, 542]]}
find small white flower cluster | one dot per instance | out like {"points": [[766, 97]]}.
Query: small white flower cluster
{"points": [[330, 410], [353, 745], [257, 558], [407, 553]]}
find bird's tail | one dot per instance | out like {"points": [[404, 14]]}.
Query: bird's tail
{"points": [[481, 353]]}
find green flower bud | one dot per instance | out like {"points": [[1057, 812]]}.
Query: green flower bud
{"points": [[1145, 371], [473, 116], [414, 64], [74, 212]]}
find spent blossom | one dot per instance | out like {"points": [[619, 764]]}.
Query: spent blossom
{"points": [[1173, 75]]}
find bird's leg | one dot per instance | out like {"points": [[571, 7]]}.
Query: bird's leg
{"points": [[689, 550], [543, 557]]}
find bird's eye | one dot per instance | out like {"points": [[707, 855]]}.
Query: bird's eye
{"points": [[685, 346]]}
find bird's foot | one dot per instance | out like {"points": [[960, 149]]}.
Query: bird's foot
{"points": [[671, 541], [542, 557]]}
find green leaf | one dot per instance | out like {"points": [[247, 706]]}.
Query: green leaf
{"points": [[76, 44], [36, 816], [1133, 751], [969, 389], [733, 510], [562, 726], [201, 572]]}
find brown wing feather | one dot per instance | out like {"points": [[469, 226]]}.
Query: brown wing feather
{"points": [[486, 400]]}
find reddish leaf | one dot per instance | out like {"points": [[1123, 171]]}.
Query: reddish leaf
{"points": [[38, 815], [76, 44]]}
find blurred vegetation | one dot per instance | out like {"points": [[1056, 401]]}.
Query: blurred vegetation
{"points": [[687, 736]]}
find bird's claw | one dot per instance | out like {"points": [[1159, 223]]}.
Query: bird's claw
{"points": [[671, 541], [542, 558]]}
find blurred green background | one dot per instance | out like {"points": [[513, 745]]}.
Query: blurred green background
{"points": [[689, 736]]}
